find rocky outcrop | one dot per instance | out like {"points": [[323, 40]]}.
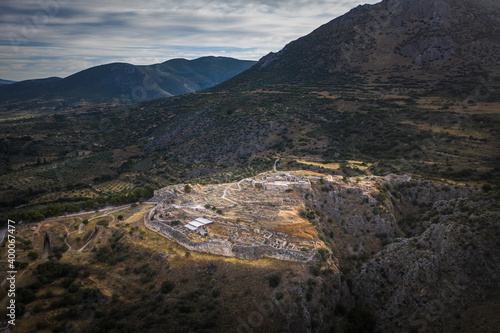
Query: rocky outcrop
{"points": [[428, 280]]}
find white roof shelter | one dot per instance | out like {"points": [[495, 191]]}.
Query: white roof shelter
{"points": [[199, 222], [203, 220], [196, 224], [191, 227]]}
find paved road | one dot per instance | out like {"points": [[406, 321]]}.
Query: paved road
{"points": [[105, 209]]}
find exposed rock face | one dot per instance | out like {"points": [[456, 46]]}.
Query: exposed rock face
{"points": [[428, 280], [439, 251], [438, 38]]}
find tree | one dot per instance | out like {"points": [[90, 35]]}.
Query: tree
{"points": [[274, 280], [487, 188], [167, 286], [33, 255], [323, 254]]}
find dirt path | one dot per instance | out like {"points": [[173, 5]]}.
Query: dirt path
{"points": [[234, 189], [92, 237]]}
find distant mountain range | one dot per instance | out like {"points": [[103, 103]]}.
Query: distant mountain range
{"points": [[126, 83], [6, 81]]}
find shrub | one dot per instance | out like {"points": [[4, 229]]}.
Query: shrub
{"points": [[308, 214], [340, 309], [73, 288], [382, 197], [187, 188], [21, 264], [315, 269], [33, 255], [487, 188], [323, 254], [215, 293], [167, 286], [274, 280], [279, 295]]}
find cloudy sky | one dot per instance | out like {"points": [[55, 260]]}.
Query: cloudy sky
{"points": [[43, 38]]}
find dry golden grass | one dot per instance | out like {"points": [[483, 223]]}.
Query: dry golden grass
{"points": [[325, 94], [335, 166], [331, 166], [456, 130]]}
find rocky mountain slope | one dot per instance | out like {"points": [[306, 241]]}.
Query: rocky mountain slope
{"points": [[126, 83], [418, 254], [424, 43]]}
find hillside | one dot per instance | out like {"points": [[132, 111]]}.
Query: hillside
{"points": [[123, 83], [395, 253], [415, 45], [401, 153], [388, 125]]}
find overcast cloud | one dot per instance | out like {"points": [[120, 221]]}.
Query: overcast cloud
{"points": [[42, 38]]}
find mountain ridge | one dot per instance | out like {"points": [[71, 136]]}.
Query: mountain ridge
{"points": [[127, 83], [436, 41]]}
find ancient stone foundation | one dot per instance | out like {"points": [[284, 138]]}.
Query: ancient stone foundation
{"points": [[223, 248]]}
